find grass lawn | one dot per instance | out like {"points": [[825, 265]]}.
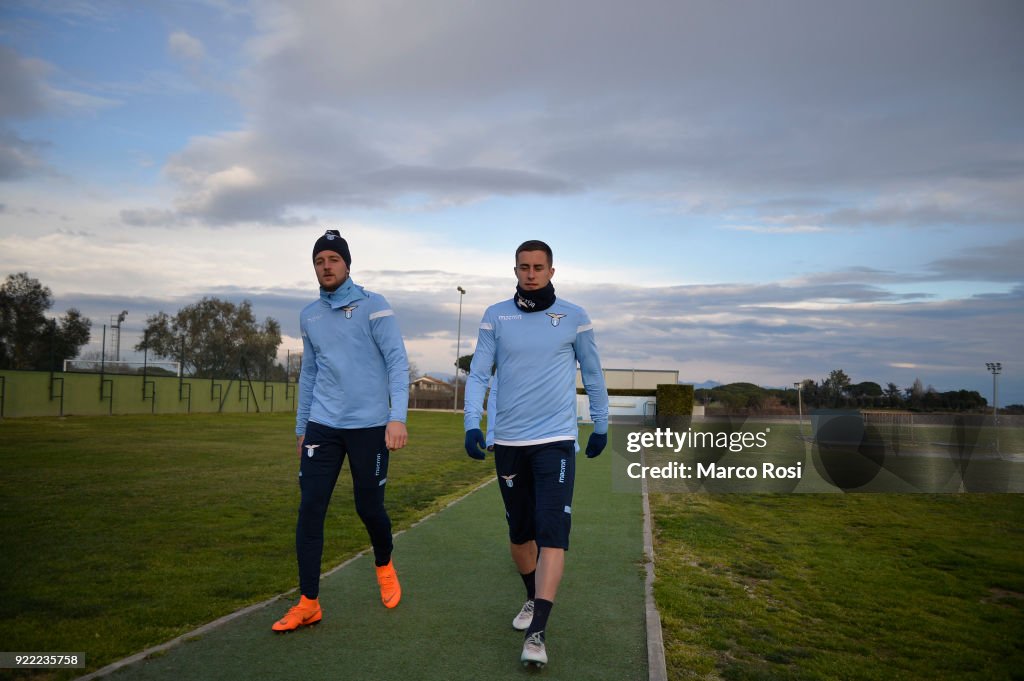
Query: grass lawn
{"points": [[844, 586], [855, 586], [120, 533]]}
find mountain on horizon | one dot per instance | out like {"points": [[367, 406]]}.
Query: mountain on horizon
{"points": [[710, 384], [706, 384]]}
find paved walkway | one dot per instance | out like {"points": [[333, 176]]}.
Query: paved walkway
{"points": [[460, 592]]}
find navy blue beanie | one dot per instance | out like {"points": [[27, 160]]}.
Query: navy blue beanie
{"points": [[332, 241]]}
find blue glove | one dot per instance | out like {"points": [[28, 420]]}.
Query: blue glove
{"points": [[596, 444], [476, 446]]}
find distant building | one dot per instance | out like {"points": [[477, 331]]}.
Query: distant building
{"points": [[429, 384], [647, 379], [427, 392], [633, 406]]}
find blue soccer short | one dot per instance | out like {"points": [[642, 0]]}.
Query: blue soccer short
{"points": [[536, 483]]}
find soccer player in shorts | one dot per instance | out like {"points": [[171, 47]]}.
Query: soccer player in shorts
{"points": [[536, 341], [353, 399]]}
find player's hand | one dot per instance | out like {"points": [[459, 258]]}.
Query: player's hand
{"points": [[299, 439], [476, 446], [596, 444], [395, 435]]}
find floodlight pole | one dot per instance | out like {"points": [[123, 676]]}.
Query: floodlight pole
{"points": [[800, 405], [115, 327], [995, 368], [458, 349]]}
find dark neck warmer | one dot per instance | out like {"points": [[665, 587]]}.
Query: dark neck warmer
{"points": [[535, 301]]}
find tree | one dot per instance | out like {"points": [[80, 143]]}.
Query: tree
{"points": [[894, 394], [836, 385], [220, 339], [69, 334], [866, 393], [866, 389], [28, 338], [739, 397], [414, 371], [962, 400], [811, 393], [464, 362], [915, 394]]}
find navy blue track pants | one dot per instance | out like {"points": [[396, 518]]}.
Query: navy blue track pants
{"points": [[324, 450]]}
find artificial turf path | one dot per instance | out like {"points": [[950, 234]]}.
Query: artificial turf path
{"points": [[460, 592]]}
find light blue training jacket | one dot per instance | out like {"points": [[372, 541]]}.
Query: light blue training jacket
{"points": [[355, 373], [536, 355]]}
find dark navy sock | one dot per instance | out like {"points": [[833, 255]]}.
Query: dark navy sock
{"points": [[530, 582], [541, 610]]}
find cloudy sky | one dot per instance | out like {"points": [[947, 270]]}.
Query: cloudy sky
{"points": [[740, 190]]}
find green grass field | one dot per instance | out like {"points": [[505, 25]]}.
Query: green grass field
{"points": [[844, 586], [121, 533], [856, 586]]}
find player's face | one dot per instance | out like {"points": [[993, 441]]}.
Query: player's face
{"points": [[331, 270], [533, 270]]}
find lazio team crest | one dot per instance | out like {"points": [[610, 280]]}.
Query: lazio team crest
{"points": [[508, 479], [555, 317], [348, 310]]}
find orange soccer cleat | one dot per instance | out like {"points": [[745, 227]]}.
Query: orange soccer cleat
{"points": [[306, 613], [390, 589]]}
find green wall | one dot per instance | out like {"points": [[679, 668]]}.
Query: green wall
{"points": [[33, 393]]}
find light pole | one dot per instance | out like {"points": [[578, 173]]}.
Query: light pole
{"points": [[995, 368], [800, 405], [115, 328], [458, 349]]}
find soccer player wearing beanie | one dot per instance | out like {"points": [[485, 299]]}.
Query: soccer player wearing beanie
{"points": [[353, 399], [536, 341]]}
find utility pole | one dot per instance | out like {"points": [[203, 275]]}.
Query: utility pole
{"points": [[458, 349]]}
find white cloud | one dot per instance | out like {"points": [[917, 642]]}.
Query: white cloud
{"points": [[184, 46], [793, 229], [467, 100], [19, 157], [27, 95]]}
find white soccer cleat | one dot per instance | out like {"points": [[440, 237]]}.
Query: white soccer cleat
{"points": [[534, 651], [524, 618]]}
